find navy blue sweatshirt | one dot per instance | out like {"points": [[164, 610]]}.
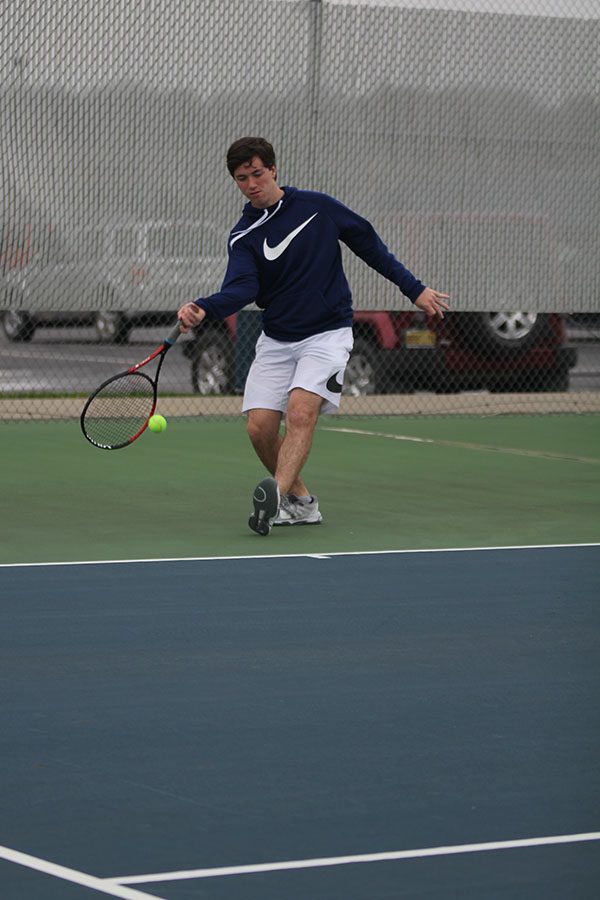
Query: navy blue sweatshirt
{"points": [[287, 259]]}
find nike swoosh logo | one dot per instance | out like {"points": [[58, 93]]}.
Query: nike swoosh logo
{"points": [[333, 384], [272, 253]]}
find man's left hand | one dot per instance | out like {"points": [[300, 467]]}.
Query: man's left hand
{"points": [[432, 303]]}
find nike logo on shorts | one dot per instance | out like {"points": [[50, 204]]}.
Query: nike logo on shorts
{"points": [[272, 253], [333, 384]]}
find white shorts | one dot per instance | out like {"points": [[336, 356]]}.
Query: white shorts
{"points": [[316, 364]]}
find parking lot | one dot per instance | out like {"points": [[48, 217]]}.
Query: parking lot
{"points": [[60, 360]]}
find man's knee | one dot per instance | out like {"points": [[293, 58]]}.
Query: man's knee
{"points": [[303, 411], [262, 426], [253, 430]]}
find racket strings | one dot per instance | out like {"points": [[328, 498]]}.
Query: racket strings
{"points": [[119, 410]]}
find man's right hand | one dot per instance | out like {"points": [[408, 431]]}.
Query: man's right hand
{"points": [[190, 315]]}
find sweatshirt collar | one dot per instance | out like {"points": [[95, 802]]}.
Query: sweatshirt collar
{"points": [[251, 212]]}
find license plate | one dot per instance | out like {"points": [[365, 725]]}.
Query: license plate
{"points": [[421, 337]]}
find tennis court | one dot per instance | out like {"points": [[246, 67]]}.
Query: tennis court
{"points": [[401, 702], [384, 484]]}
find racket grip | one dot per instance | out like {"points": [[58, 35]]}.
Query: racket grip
{"points": [[174, 334]]}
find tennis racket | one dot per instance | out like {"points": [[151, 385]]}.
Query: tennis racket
{"points": [[118, 411]]}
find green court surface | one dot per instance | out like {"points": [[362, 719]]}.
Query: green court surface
{"points": [[383, 484]]}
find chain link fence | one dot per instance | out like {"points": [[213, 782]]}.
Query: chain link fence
{"points": [[467, 131]]}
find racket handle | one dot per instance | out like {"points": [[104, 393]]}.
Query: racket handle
{"points": [[174, 334]]}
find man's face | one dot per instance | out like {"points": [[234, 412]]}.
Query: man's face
{"points": [[257, 183]]}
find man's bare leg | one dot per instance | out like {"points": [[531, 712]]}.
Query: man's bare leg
{"points": [[263, 427], [300, 421]]}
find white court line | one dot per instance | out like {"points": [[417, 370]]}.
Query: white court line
{"points": [[324, 554], [468, 445], [359, 858], [105, 886]]}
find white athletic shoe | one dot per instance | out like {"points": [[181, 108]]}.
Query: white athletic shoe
{"points": [[293, 512]]}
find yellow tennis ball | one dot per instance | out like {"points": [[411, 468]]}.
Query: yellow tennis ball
{"points": [[157, 424]]}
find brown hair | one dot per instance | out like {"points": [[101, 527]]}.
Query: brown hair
{"points": [[245, 149]]}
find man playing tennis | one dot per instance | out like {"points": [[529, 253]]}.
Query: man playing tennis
{"points": [[285, 256]]}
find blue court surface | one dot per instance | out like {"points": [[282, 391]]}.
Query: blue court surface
{"points": [[326, 727]]}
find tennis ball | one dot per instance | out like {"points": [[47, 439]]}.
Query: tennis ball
{"points": [[157, 424]]}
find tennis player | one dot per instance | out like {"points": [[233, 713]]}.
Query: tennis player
{"points": [[285, 256]]}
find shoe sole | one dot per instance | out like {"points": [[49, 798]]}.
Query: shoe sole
{"points": [[266, 505], [285, 524]]}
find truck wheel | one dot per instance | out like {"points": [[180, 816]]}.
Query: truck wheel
{"points": [[112, 327], [361, 377], [17, 325], [212, 358]]}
